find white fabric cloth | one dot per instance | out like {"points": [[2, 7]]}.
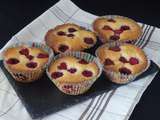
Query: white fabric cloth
{"points": [[117, 104]]}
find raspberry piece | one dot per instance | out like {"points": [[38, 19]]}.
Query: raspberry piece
{"points": [[72, 70], [88, 40], [30, 57], [70, 35], [62, 66], [115, 37], [82, 61], [12, 61], [108, 62], [24, 51], [117, 32], [123, 59], [61, 33], [129, 42], [125, 27], [71, 30], [87, 73], [31, 65], [106, 27], [133, 61], [111, 20], [115, 48], [56, 75], [63, 48], [68, 87], [42, 55], [125, 71]]}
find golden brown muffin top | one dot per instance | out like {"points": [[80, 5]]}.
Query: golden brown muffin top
{"points": [[69, 37], [126, 58], [116, 28], [72, 69], [23, 58]]}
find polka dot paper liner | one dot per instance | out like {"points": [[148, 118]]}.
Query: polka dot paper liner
{"points": [[29, 76], [118, 77], [78, 87]]}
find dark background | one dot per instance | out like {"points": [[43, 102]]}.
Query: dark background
{"points": [[16, 14]]}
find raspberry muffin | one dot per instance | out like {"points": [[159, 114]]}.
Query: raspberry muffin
{"points": [[122, 62], [117, 28], [74, 75], [69, 37], [26, 63]]}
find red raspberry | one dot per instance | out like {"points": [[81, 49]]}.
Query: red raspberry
{"points": [[125, 71], [62, 66], [108, 62], [24, 51], [87, 73], [12, 61], [72, 70], [31, 64], [88, 40], [56, 75], [42, 55], [133, 61]]}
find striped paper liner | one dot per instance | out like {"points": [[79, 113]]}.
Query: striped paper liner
{"points": [[29, 76], [118, 77]]}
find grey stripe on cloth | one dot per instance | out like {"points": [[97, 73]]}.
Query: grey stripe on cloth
{"points": [[139, 95], [69, 17], [7, 91], [106, 103], [144, 38], [9, 108], [149, 37], [87, 108], [96, 106], [56, 15], [72, 15], [143, 29], [100, 101], [59, 13], [141, 40]]}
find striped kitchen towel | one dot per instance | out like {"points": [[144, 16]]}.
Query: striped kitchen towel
{"points": [[117, 104]]}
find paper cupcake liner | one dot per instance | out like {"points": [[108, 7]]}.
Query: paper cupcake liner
{"points": [[117, 77], [125, 41], [122, 78], [29, 76], [25, 77], [72, 88]]}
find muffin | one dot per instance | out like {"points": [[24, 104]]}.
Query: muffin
{"points": [[74, 73], [69, 37], [122, 62], [117, 28], [25, 62]]}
